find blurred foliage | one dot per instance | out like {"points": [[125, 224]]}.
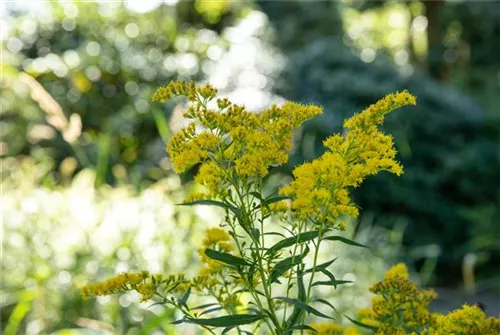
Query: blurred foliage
{"points": [[449, 193], [64, 237], [59, 238], [89, 68]]}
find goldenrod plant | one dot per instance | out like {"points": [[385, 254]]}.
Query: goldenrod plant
{"points": [[258, 276]]}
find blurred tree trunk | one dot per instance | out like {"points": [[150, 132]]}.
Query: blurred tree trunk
{"points": [[435, 65]]}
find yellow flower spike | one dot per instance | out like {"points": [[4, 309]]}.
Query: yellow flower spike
{"points": [[212, 177], [350, 158], [373, 115], [119, 283], [398, 270], [146, 290]]}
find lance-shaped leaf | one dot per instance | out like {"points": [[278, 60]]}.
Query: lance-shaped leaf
{"points": [[276, 199], [233, 209], [333, 283], [361, 324], [288, 242], [226, 258], [324, 302], [302, 305], [344, 240], [283, 266], [227, 321], [321, 266], [185, 297], [301, 296]]}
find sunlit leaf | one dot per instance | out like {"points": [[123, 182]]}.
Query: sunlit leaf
{"points": [[227, 321], [344, 240], [226, 258], [362, 324], [283, 266], [302, 305], [216, 203], [288, 242]]}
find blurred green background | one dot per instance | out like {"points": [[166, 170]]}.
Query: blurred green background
{"points": [[88, 191]]}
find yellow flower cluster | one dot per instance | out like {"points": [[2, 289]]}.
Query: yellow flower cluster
{"points": [[399, 308], [216, 239], [190, 90], [213, 178], [231, 138], [332, 329], [321, 187], [469, 320], [214, 278], [120, 283], [144, 283]]}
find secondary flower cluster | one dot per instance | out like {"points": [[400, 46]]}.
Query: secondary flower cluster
{"points": [[399, 308], [144, 283], [321, 187], [215, 239]]}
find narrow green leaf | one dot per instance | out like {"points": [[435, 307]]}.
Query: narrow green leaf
{"points": [[226, 258], [344, 240], [333, 283], [300, 327], [227, 329], [178, 322], [276, 199], [283, 266], [361, 324], [321, 266], [250, 275], [288, 242], [233, 209], [274, 233], [185, 297], [301, 296], [328, 274], [256, 194], [324, 302], [302, 305], [227, 321]]}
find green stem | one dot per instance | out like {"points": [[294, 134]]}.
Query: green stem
{"points": [[294, 253], [246, 224], [315, 262]]}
